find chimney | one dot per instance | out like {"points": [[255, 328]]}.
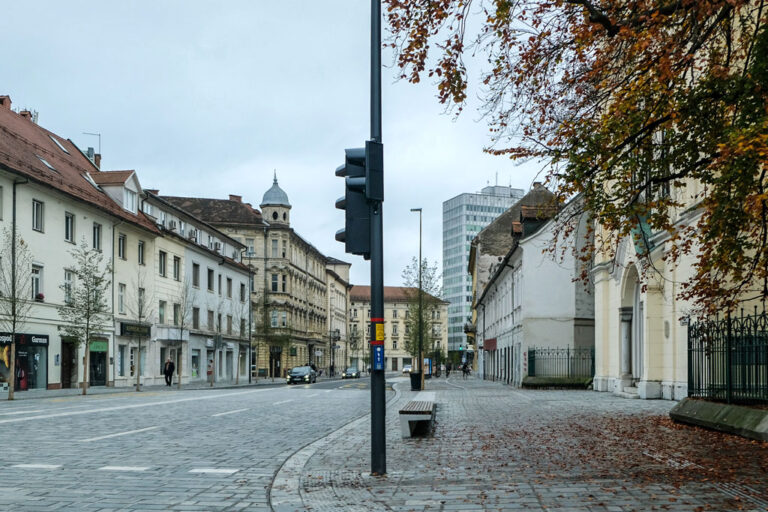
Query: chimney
{"points": [[153, 191], [26, 114], [97, 160], [233, 197], [5, 102]]}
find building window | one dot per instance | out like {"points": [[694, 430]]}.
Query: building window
{"points": [[69, 227], [141, 301], [242, 292], [162, 257], [37, 215], [250, 247], [354, 313], [121, 298], [176, 314], [195, 318], [129, 200], [273, 319], [284, 248], [97, 236], [121, 246], [284, 319], [210, 320], [394, 344], [285, 283], [196, 275], [141, 252], [274, 248], [69, 277], [210, 279], [229, 287], [242, 327], [218, 322], [229, 324], [121, 360], [161, 312], [37, 280], [274, 282], [210, 242], [218, 279], [394, 329]]}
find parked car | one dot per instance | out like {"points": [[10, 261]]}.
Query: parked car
{"points": [[301, 374], [407, 368], [350, 373]]}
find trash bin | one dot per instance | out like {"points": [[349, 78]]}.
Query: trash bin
{"points": [[415, 381]]}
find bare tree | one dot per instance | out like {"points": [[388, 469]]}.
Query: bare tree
{"points": [[15, 297], [185, 301], [140, 306], [86, 311]]}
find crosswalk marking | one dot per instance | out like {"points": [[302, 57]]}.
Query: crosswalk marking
{"points": [[123, 468], [117, 434], [214, 471], [37, 466], [228, 412]]}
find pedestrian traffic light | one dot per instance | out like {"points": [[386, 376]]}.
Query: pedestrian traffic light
{"points": [[356, 234]]}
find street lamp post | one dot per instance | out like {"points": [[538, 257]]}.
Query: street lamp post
{"points": [[421, 319]]}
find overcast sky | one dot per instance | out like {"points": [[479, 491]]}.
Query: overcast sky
{"points": [[206, 99]]}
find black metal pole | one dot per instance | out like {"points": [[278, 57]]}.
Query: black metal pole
{"points": [[378, 410]]}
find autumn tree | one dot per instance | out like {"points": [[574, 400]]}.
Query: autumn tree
{"points": [[655, 111], [15, 297], [430, 293], [86, 311]]}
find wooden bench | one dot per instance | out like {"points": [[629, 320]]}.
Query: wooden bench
{"points": [[418, 414]]}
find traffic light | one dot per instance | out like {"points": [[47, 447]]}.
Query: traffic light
{"points": [[356, 234], [363, 171]]}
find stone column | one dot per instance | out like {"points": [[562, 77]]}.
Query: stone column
{"points": [[625, 379]]}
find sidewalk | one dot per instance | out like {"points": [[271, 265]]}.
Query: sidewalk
{"points": [[499, 448], [101, 390]]}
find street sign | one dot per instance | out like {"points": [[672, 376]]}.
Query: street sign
{"points": [[378, 357]]}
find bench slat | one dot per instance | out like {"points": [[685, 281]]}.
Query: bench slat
{"points": [[418, 407]]}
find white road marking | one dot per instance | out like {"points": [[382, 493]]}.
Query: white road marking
{"points": [[283, 402], [328, 390], [313, 394], [123, 468], [214, 471], [133, 406], [118, 434], [37, 466], [18, 412], [228, 412]]}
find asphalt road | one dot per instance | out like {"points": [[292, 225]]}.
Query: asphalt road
{"points": [[164, 450]]}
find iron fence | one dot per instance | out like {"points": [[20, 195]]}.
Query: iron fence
{"points": [[561, 362], [728, 359]]}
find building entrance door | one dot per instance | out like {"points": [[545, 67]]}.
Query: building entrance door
{"points": [[275, 353], [98, 375], [67, 364]]}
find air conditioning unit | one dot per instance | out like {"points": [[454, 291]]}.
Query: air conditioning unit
{"points": [[192, 234], [172, 225], [217, 246]]}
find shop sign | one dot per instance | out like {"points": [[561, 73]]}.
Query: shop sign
{"points": [[489, 344], [24, 339], [129, 329], [209, 342], [98, 346]]}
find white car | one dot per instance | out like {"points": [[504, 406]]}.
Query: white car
{"points": [[407, 368]]}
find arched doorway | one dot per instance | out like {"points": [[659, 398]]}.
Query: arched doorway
{"points": [[631, 330]]}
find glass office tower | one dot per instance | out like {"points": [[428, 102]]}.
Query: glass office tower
{"points": [[464, 216]]}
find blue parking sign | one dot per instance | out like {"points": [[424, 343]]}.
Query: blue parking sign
{"points": [[378, 357]]}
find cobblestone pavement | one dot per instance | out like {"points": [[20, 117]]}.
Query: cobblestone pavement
{"points": [[497, 448], [204, 450]]}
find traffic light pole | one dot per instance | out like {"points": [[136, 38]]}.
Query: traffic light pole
{"points": [[378, 409]]}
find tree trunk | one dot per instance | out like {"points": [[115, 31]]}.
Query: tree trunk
{"points": [[12, 383], [85, 367], [179, 359], [138, 368]]}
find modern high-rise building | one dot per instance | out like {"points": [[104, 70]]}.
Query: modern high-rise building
{"points": [[464, 216]]}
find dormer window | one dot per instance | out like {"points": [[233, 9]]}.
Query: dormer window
{"points": [[129, 200]]}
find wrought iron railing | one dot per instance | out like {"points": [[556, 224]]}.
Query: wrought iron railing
{"points": [[561, 362], [728, 359]]}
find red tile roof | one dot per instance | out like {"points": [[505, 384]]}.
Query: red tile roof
{"points": [[391, 293], [111, 177], [22, 146]]}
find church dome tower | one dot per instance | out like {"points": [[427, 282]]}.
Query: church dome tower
{"points": [[275, 207]]}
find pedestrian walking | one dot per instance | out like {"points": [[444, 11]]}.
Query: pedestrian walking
{"points": [[465, 370], [168, 371]]}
